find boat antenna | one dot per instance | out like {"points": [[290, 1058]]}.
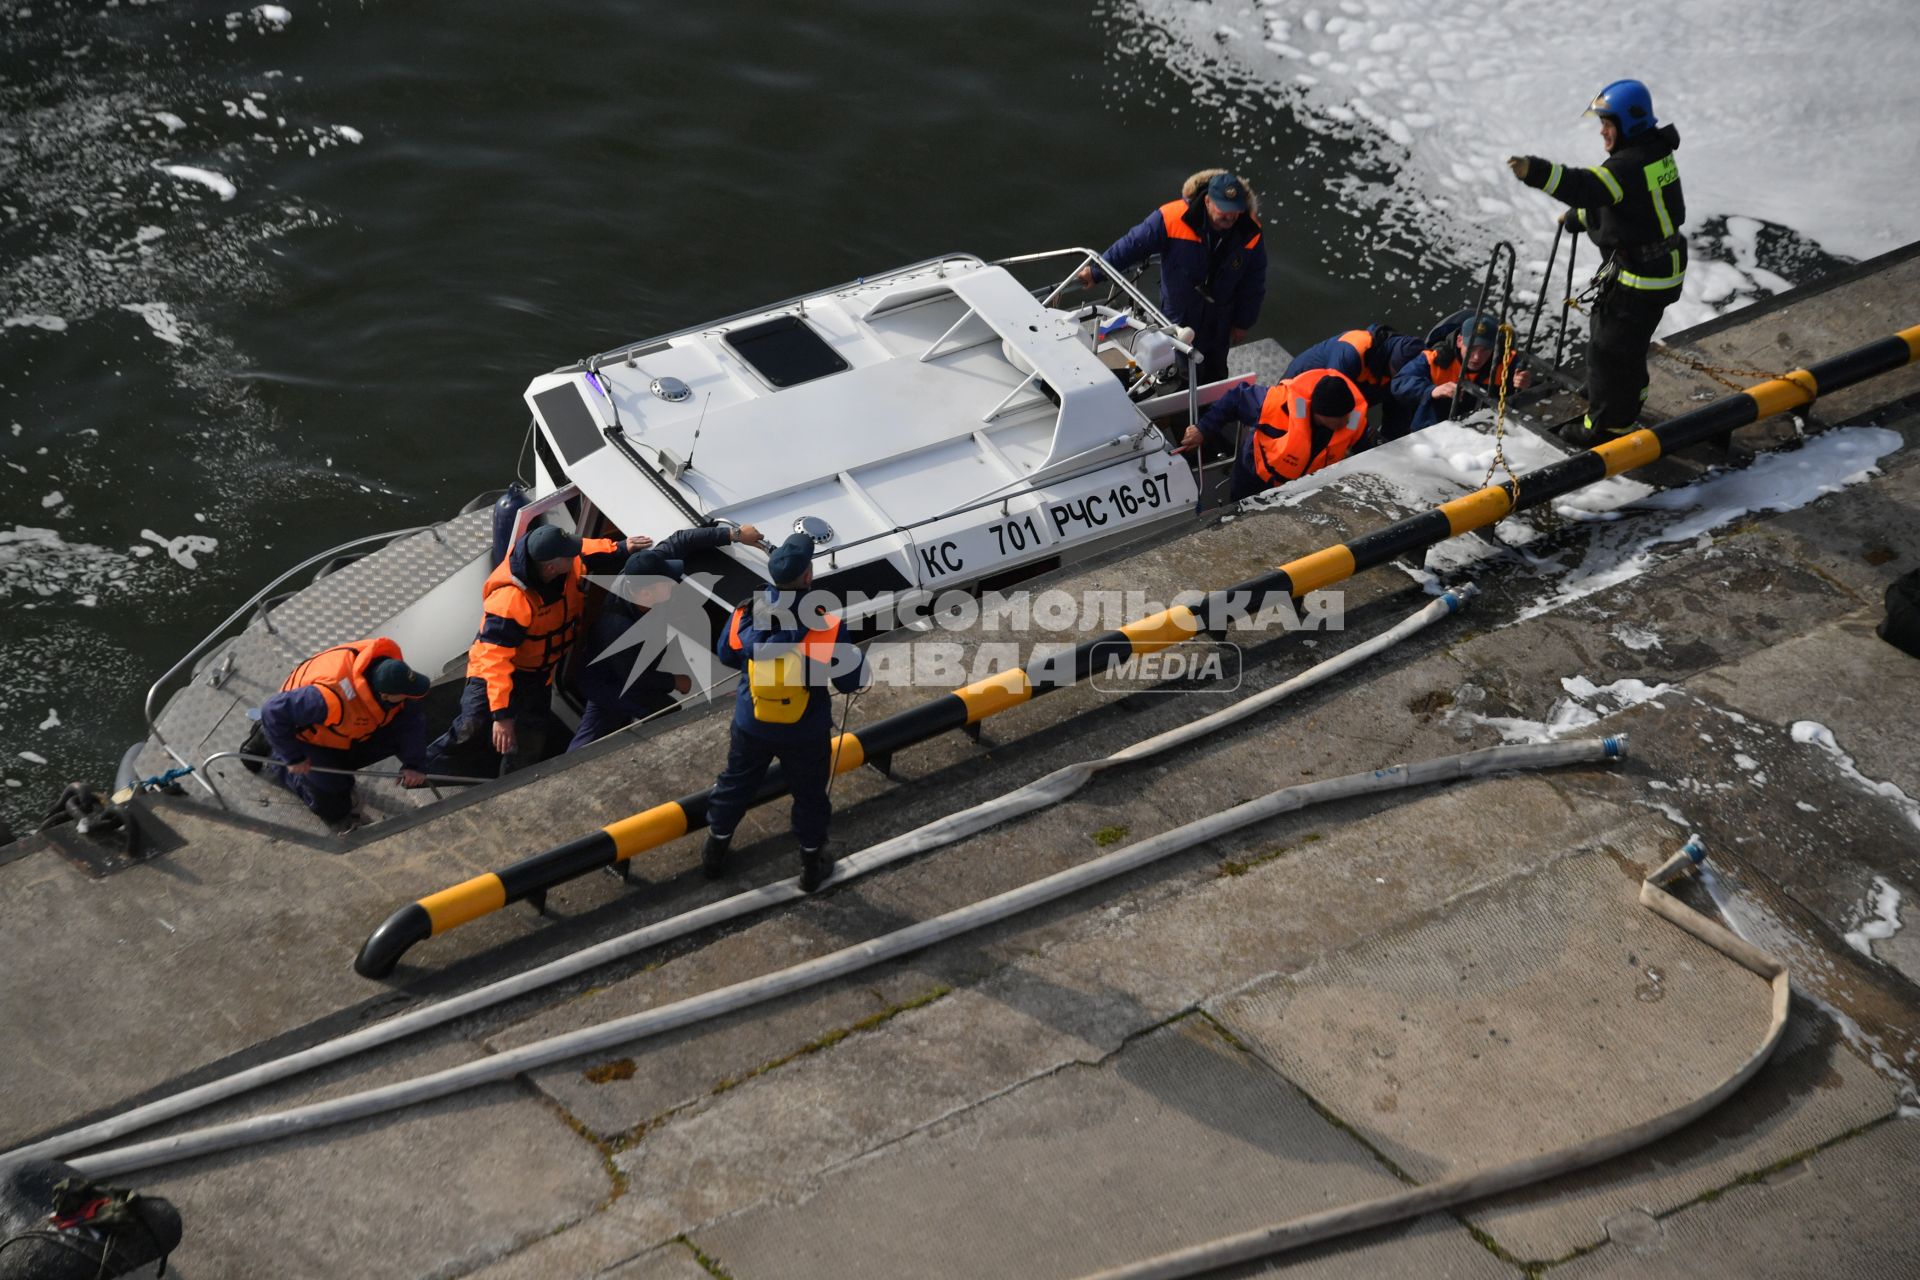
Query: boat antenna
{"points": [[696, 429]]}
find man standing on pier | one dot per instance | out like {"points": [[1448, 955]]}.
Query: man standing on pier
{"points": [[1632, 210], [784, 710]]}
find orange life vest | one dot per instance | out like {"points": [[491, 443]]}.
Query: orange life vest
{"points": [[1447, 366], [1361, 340], [1283, 438], [354, 712], [1173, 214], [550, 626]]}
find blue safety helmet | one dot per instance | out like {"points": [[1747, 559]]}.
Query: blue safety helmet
{"points": [[1628, 104]]}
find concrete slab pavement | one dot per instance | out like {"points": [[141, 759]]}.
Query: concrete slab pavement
{"points": [[1846, 1210], [1192, 1135]]}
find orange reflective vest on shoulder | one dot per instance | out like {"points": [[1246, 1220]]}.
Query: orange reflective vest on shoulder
{"points": [[1361, 340], [354, 712], [523, 631], [1447, 366], [1283, 438], [777, 685]]}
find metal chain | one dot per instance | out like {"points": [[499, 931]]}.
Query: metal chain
{"points": [[1500, 463]]}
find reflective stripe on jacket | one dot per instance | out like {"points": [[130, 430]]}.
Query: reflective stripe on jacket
{"points": [[1283, 437], [1214, 292], [1631, 206], [353, 711]]}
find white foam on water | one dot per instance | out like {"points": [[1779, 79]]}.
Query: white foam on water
{"points": [[1813, 733], [1439, 99], [214, 182], [160, 318], [173, 122], [53, 499], [33, 757], [184, 550], [350, 133], [1882, 922], [40, 564], [52, 324], [52, 721]]}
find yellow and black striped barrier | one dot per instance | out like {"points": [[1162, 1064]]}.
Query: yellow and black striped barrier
{"points": [[530, 878]]}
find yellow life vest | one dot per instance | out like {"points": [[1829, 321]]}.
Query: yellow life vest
{"points": [[778, 685]]}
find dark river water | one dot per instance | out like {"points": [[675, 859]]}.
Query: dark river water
{"points": [[382, 219]]}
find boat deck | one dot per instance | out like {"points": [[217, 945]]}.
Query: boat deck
{"points": [[1327, 1007]]}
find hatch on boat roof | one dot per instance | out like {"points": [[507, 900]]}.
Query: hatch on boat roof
{"points": [[785, 351]]}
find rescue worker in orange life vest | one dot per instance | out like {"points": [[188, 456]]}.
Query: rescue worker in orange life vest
{"points": [[1462, 348], [784, 709], [345, 708], [1369, 357], [1292, 429], [1213, 262], [529, 622]]}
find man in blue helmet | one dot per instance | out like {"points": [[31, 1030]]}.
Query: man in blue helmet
{"points": [[1632, 209]]}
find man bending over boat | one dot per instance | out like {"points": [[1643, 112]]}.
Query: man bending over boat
{"points": [[623, 680], [1463, 348], [784, 710], [1292, 429], [1213, 264], [528, 623], [345, 708]]}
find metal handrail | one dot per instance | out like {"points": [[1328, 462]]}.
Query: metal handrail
{"points": [[459, 779], [253, 601], [1087, 258]]}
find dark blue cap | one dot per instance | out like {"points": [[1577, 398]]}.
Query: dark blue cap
{"points": [[651, 564], [790, 559], [548, 542], [1480, 331], [1228, 192], [391, 678]]}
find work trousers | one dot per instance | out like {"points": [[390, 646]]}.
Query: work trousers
{"points": [[331, 794], [466, 749], [1618, 334], [806, 765]]}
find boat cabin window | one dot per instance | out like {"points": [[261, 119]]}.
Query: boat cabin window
{"points": [[572, 424], [785, 351]]}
